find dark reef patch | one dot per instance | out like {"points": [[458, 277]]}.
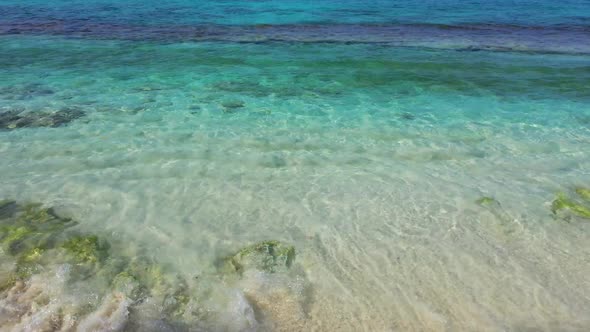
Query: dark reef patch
{"points": [[14, 118], [25, 92]]}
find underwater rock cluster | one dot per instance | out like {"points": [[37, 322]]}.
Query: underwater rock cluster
{"points": [[45, 258], [13, 119]]}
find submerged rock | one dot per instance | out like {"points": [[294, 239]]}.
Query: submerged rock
{"points": [[14, 119], [176, 301], [584, 193], [268, 256], [7, 208], [232, 105], [13, 236], [486, 200], [90, 285], [407, 116], [143, 279], [29, 226], [497, 210], [86, 249], [563, 203], [37, 243], [242, 87], [32, 255]]}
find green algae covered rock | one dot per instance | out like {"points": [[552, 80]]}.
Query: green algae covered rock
{"points": [[563, 203], [7, 282], [583, 193], [267, 256], [150, 276], [45, 219], [31, 255], [492, 205], [177, 299], [142, 278], [148, 273], [86, 249], [128, 284], [486, 200], [25, 270], [23, 227], [34, 213], [35, 240], [11, 234], [13, 238]]}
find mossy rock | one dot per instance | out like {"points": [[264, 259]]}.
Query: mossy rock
{"points": [[152, 277], [562, 202], [486, 201], [26, 270], [147, 273], [129, 285], [142, 278], [7, 283], [583, 193], [175, 302], [268, 256], [7, 208], [86, 249], [31, 255], [23, 227], [35, 213], [13, 237], [43, 218]]}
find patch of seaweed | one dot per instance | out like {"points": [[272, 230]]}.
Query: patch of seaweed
{"points": [[575, 205]]}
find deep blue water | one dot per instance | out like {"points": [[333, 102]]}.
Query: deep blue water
{"points": [[567, 13]]}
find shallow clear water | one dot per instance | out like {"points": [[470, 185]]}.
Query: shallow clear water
{"points": [[363, 139]]}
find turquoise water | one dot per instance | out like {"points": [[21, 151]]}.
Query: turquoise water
{"points": [[364, 135]]}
